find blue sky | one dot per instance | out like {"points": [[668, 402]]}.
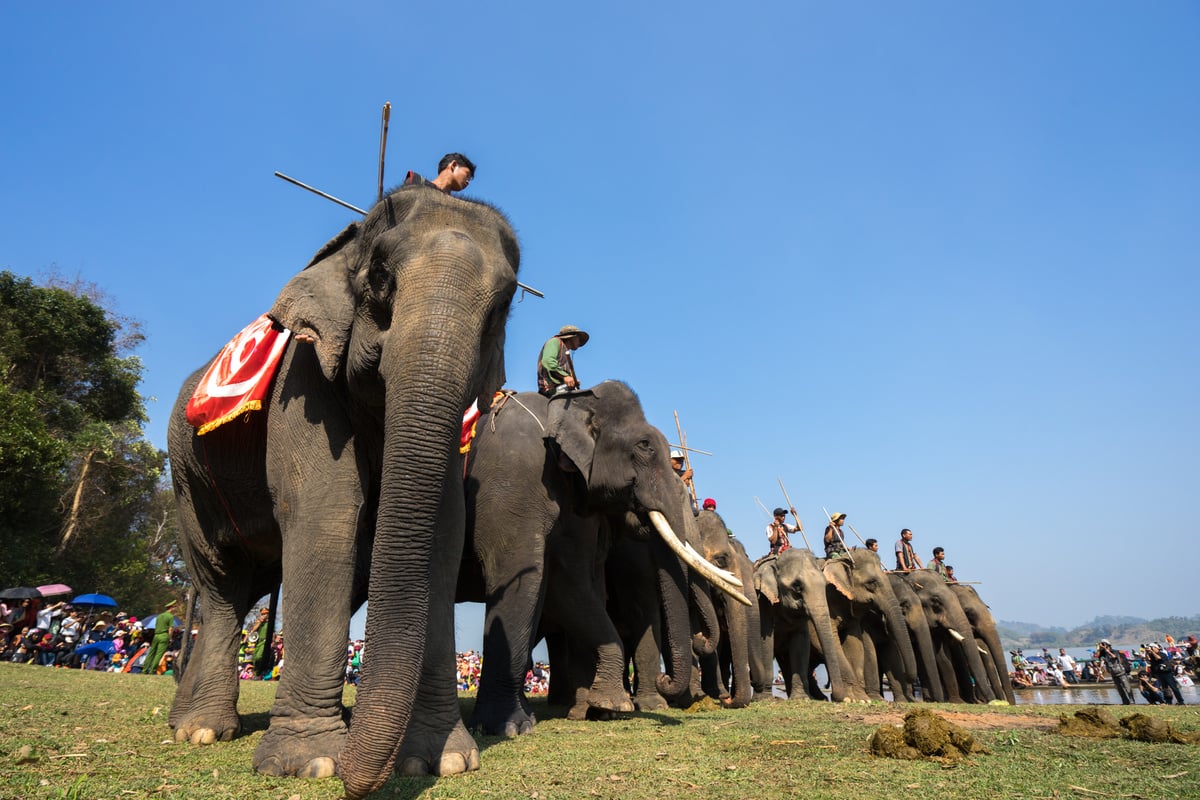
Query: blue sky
{"points": [[932, 264]]}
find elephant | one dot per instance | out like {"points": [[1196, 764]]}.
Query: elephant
{"points": [[860, 597], [739, 665], [959, 663], [549, 483], [347, 486], [986, 635], [922, 640], [796, 623]]}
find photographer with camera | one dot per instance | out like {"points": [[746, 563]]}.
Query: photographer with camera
{"points": [[1118, 667]]}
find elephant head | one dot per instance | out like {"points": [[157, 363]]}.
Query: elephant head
{"points": [[624, 466], [794, 605], [951, 627], [408, 308], [857, 586], [984, 627]]}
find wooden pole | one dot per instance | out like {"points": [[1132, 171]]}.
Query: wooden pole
{"points": [[763, 506], [687, 461], [851, 527], [799, 524], [383, 132]]}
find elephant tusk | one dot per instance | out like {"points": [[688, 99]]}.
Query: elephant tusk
{"points": [[981, 650], [955, 634], [717, 577]]}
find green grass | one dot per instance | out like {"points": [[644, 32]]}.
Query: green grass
{"points": [[98, 735]]}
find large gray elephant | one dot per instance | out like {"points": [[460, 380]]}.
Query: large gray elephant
{"points": [[983, 625], [860, 595], [549, 482], [922, 641], [797, 626], [963, 672], [739, 665], [348, 486]]}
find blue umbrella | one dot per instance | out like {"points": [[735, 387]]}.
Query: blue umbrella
{"points": [[94, 601], [105, 646]]}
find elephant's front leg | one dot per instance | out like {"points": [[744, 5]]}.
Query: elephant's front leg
{"points": [[437, 742], [799, 652], [871, 675], [575, 603], [321, 518]]}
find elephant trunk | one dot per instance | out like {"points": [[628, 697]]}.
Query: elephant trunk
{"points": [[964, 640], [677, 643], [898, 630], [706, 628], [816, 601], [427, 374], [737, 624], [991, 638], [931, 681]]}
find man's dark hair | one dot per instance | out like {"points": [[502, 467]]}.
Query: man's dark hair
{"points": [[870, 542], [460, 158], [904, 531], [938, 550]]}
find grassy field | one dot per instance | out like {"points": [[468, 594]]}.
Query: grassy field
{"points": [[71, 734]]}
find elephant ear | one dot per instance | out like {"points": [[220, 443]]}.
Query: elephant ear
{"points": [[837, 575], [766, 582], [319, 304], [569, 421]]}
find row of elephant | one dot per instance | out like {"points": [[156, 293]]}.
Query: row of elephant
{"points": [[564, 518], [862, 622]]}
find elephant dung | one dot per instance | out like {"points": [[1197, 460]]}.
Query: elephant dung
{"points": [[705, 703], [1148, 729], [924, 735], [1091, 722]]}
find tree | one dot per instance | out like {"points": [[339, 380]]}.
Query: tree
{"points": [[80, 482]]}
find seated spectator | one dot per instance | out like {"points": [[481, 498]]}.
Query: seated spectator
{"points": [[1150, 688], [1021, 680]]}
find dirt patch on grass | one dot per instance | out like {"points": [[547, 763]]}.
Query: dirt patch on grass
{"points": [[983, 721]]}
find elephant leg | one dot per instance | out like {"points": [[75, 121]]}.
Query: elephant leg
{"points": [[949, 673], [437, 742], [711, 683], [646, 668], [871, 676], [205, 706], [852, 662], [321, 519], [799, 656], [575, 604], [515, 591]]}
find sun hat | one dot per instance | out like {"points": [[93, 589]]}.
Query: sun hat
{"points": [[676, 454], [571, 330], [836, 517]]}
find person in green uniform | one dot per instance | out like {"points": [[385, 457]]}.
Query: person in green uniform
{"points": [[555, 371], [161, 641]]}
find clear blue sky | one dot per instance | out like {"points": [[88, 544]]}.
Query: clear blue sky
{"points": [[934, 264]]}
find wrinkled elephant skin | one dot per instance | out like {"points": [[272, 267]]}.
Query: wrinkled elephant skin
{"points": [[347, 485]]}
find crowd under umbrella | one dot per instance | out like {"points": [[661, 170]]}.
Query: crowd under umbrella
{"points": [[92, 602]]}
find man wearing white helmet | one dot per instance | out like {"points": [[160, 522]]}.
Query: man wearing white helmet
{"points": [[685, 474]]}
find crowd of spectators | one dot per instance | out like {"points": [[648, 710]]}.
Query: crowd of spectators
{"points": [[1159, 667], [58, 635]]}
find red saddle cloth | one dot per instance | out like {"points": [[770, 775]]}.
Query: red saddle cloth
{"points": [[238, 379]]}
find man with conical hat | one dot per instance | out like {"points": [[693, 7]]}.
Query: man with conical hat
{"points": [[555, 370]]}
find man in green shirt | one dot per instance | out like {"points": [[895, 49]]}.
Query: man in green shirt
{"points": [[555, 372], [163, 624]]}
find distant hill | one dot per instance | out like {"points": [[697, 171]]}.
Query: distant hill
{"points": [[1122, 631]]}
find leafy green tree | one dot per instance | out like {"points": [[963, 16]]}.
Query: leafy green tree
{"points": [[80, 498]]}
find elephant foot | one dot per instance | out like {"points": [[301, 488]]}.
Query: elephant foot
{"points": [[427, 751], [617, 701], [650, 702], [301, 748], [495, 721], [732, 702], [200, 728]]}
